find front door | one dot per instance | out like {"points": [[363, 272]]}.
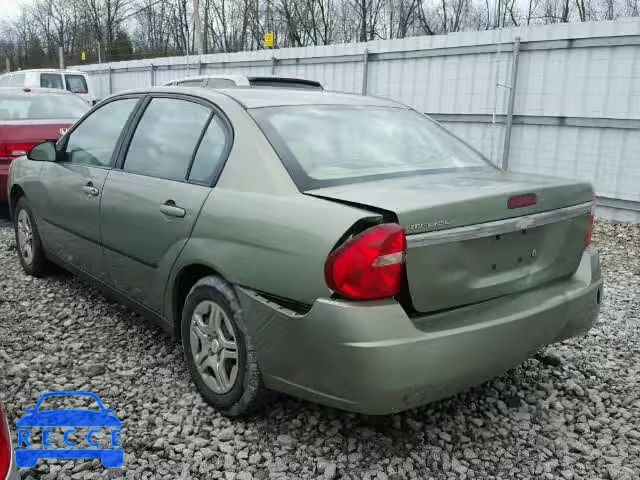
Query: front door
{"points": [[150, 205], [73, 187]]}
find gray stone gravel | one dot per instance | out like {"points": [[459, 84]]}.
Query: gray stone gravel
{"points": [[571, 413]]}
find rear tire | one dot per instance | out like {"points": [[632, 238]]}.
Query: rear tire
{"points": [[219, 351], [30, 251]]}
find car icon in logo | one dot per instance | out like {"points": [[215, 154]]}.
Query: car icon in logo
{"points": [[76, 428]]}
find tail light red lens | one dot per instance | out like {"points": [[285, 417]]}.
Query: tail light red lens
{"points": [[370, 265], [592, 219], [5, 446], [13, 150]]}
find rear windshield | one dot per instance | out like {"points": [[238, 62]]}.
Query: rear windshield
{"points": [[76, 83], [51, 80], [333, 145], [33, 106]]}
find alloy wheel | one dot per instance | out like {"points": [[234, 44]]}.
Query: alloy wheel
{"points": [[25, 237]]}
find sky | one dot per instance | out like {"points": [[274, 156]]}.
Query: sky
{"points": [[8, 9]]}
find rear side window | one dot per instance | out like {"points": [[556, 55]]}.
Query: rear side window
{"points": [[76, 83], [166, 138], [93, 141], [190, 83], [220, 83], [208, 159], [51, 80]]}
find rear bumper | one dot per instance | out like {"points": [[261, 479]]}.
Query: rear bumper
{"points": [[372, 358]]}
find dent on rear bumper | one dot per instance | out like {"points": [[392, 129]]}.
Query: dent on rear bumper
{"points": [[372, 358]]}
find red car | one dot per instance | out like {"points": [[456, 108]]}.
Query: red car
{"points": [[8, 470], [29, 116]]}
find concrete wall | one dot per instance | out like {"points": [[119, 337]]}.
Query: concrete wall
{"points": [[576, 105]]}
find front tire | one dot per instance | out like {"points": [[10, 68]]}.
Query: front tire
{"points": [[219, 351], [30, 250]]}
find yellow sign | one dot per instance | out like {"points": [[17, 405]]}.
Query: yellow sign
{"points": [[269, 39], [83, 56]]}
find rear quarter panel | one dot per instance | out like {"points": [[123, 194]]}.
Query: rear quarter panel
{"points": [[25, 174], [271, 243]]}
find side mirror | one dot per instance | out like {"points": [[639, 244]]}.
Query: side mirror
{"points": [[44, 152], [30, 411]]}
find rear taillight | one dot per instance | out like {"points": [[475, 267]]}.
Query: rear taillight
{"points": [[5, 446], [13, 150], [592, 217], [370, 265]]}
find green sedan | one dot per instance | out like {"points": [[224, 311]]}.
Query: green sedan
{"points": [[341, 248]]}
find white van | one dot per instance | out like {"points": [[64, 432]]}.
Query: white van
{"points": [[72, 80]]}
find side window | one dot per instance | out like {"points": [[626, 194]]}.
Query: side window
{"points": [[166, 137], [220, 83], [190, 83], [76, 83], [93, 142], [209, 155], [51, 80]]}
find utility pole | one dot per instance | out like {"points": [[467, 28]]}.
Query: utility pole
{"points": [[99, 54], [8, 64], [61, 56], [197, 27]]}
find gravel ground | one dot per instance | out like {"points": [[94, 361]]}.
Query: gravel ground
{"points": [[572, 412]]}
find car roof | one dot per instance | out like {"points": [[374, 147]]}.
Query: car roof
{"points": [[234, 77], [247, 79], [266, 97], [275, 97], [32, 90], [47, 70]]}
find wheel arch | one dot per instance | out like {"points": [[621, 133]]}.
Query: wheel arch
{"points": [[185, 278], [14, 195]]}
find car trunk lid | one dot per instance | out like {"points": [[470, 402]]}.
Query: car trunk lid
{"points": [[465, 244]]}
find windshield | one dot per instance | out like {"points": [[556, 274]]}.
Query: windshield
{"points": [[331, 145], [33, 106], [76, 83]]}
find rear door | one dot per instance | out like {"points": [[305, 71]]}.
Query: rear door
{"points": [[72, 187], [150, 204]]}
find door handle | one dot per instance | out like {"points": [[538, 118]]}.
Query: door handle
{"points": [[170, 209], [90, 190]]}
